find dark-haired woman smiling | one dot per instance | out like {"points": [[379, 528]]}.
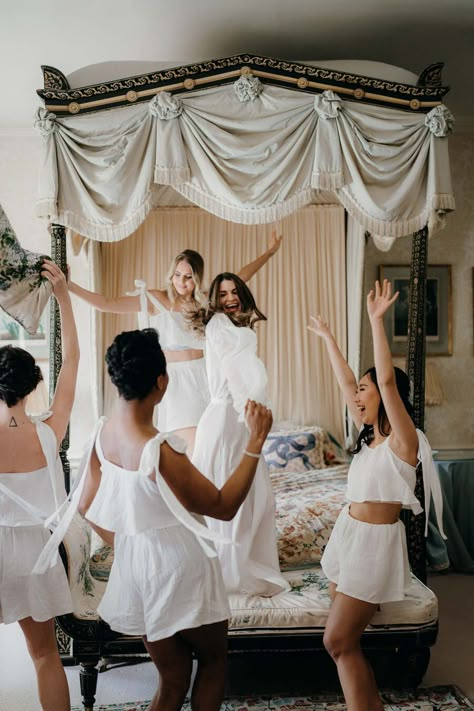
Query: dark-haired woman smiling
{"points": [[235, 373], [366, 557]]}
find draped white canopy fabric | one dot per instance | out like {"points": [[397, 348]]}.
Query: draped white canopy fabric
{"points": [[248, 152]]}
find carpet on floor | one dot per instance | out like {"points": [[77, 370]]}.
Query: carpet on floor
{"points": [[436, 698]]}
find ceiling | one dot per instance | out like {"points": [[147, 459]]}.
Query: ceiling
{"points": [[68, 35]]}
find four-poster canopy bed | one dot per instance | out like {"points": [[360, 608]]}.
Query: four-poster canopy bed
{"points": [[251, 140]]}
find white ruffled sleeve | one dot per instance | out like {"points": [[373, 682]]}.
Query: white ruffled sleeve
{"points": [[431, 482], [236, 350]]}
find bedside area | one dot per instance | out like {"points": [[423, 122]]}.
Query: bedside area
{"points": [[456, 473]]}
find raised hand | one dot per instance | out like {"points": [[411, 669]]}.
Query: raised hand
{"points": [[56, 276], [319, 326], [380, 300], [259, 420], [274, 243]]}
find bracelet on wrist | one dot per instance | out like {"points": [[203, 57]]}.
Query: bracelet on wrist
{"points": [[254, 455]]}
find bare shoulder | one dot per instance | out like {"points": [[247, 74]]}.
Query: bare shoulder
{"points": [[161, 295]]}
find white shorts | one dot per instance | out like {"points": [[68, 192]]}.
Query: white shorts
{"points": [[162, 582], [21, 593], [367, 561], [186, 397]]}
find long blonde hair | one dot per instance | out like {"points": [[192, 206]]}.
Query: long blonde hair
{"points": [[196, 263]]}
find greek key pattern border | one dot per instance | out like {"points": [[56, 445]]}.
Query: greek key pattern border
{"points": [[63, 99]]}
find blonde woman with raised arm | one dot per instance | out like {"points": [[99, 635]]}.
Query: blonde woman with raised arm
{"points": [[166, 310]]}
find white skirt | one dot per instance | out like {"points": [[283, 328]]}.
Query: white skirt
{"points": [[367, 561], [162, 582], [186, 397], [21, 593], [250, 565]]}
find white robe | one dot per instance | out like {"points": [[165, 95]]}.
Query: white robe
{"points": [[235, 373]]}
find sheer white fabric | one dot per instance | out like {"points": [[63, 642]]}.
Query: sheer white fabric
{"points": [[235, 374], [250, 162], [307, 276]]}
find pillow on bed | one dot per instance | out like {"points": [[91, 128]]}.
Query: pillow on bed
{"points": [[23, 291], [296, 450]]}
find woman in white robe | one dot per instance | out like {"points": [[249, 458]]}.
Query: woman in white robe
{"points": [[235, 373]]}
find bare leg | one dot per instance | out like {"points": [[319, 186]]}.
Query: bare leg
{"points": [[173, 659], [347, 620], [53, 690], [209, 643], [189, 435]]}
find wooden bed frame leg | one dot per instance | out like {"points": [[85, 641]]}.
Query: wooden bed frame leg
{"points": [[88, 680]]}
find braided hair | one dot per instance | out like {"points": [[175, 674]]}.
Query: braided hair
{"points": [[134, 362]]}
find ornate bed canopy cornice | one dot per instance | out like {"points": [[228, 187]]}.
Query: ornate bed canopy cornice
{"points": [[63, 100]]}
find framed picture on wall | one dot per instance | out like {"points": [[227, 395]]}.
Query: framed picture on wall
{"points": [[11, 333], [438, 309]]}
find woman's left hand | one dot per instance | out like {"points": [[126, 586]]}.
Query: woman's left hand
{"points": [[380, 301], [274, 243]]}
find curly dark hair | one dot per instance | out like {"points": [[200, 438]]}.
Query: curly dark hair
{"points": [[19, 374], [248, 316], [403, 386], [134, 362]]}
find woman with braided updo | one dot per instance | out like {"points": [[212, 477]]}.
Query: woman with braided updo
{"points": [[31, 489], [137, 490]]}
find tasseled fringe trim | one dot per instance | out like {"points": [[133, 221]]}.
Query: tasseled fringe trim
{"points": [[327, 181], [433, 215], [93, 230], [245, 215], [165, 175]]}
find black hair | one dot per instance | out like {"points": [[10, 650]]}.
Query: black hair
{"points": [[403, 386], [134, 362], [19, 374]]}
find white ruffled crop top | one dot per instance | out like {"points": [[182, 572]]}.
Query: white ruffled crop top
{"points": [[30, 498], [234, 371], [129, 502], [377, 474], [172, 329]]}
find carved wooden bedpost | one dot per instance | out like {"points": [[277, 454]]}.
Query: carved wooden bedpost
{"points": [[58, 255], [415, 366]]}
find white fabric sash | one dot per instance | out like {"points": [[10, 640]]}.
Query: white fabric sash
{"points": [[148, 463], [431, 482]]}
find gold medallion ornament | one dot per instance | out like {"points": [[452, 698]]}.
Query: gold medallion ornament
{"points": [[245, 71], [415, 104], [302, 83], [132, 96], [359, 94], [74, 108], [189, 83]]}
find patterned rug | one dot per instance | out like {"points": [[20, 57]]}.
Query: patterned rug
{"points": [[437, 698]]}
